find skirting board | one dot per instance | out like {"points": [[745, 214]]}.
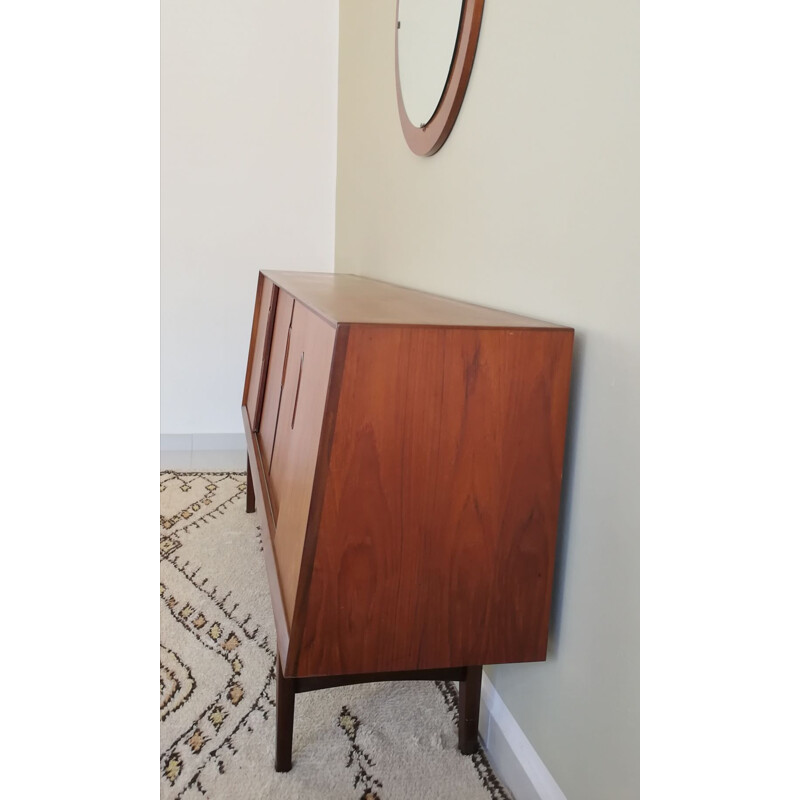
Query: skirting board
{"points": [[512, 756], [203, 452], [183, 442]]}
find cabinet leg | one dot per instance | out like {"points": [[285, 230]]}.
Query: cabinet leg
{"points": [[250, 505], [285, 721], [469, 703]]}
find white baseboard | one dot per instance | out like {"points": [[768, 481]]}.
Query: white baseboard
{"points": [[185, 442], [512, 756], [203, 452]]}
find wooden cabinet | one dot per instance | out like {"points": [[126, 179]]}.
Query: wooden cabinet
{"points": [[405, 455]]}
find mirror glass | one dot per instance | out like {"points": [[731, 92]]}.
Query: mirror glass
{"points": [[426, 39]]}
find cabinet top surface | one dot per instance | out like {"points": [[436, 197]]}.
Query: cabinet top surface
{"points": [[353, 299]]}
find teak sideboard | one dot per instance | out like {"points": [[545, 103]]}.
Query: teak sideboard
{"points": [[405, 455]]}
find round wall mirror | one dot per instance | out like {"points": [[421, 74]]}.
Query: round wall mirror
{"points": [[435, 43]]}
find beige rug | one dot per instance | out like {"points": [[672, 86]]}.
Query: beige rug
{"points": [[390, 741]]}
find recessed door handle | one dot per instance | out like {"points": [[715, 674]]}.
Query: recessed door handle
{"points": [[286, 354], [297, 393]]}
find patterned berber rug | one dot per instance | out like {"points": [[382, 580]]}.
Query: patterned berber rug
{"points": [[384, 740]]}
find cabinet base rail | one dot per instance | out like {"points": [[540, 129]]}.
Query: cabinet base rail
{"points": [[469, 695]]}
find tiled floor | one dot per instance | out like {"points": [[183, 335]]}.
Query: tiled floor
{"points": [[204, 460]]}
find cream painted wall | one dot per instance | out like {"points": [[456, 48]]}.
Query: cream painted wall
{"points": [[248, 155], [532, 206]]}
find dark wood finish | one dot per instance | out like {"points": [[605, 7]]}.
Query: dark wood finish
{"points": [[250, 503], [262, 506], [441, 504], [287, 688], [284, 702], [331, 681], [297, 440], [266, 293], [278, 349], [469, 706], [318, 492], [271, 517], [409, 493], [340, 298], [426, 140]]}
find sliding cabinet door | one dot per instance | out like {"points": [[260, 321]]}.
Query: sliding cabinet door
{"points": [[276, 372], [297, 439], [259, 346]]}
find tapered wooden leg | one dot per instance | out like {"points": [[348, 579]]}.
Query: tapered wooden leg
{"points": [[250, 505], [285, 721], [469, 703]]}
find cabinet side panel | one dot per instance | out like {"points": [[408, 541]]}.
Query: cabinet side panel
{"points": [[437, 536]]}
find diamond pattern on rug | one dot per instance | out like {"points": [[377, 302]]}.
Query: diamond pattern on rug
{"points": [[218, 653]]}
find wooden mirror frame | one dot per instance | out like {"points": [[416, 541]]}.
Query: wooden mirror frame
{"points": [[425, 141]]}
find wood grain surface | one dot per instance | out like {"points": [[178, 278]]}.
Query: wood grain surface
{"points": [[318, 494], [297, 437], [259, 345], [350, 298], [259, 474], [275, 373], [408, 468], [436, 541]]}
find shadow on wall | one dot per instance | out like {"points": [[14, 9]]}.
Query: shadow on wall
{"points": [[565, 514]]}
